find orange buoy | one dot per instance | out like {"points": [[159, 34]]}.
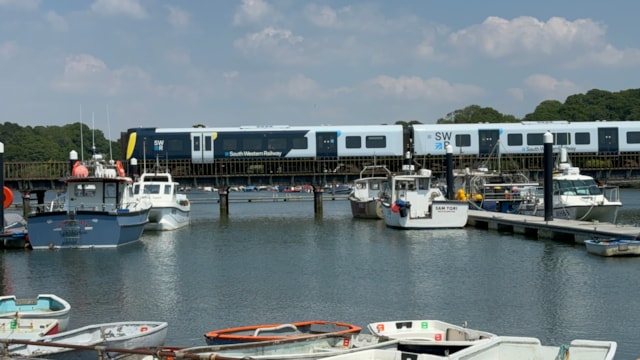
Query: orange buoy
{"points": [[120, 168], [8, 197], [79, 170]]}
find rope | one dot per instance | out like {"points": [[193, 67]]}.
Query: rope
{"points": [[563, 352]]}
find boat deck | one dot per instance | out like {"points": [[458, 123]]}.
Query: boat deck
{"points": [[556, 229]]}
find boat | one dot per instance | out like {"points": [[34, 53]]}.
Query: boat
{"points": [[364, 197], [43, 307], [613, 247], [15, 235], [27, 329], [85, 342], [575, 196], [269, 332], [98, 210], [434, 330], [169, 209], [409, 201], [500, 347]]}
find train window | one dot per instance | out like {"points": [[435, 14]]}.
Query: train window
{"points": [[353, 142], [254, 144], [633, 137], [207, 143], [277, 144], [535, 139], [562, 138], [377, 142], [300, 143], [196, 143], [463, 140], [175, 146], [582, 138], [514, 139], [230, 144]]}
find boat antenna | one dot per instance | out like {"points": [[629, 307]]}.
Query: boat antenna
{"points": [[93, 135], [109, 132], [81, 136]]}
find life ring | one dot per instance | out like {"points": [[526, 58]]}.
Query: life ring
{"points": [[8, 197], [120, 168]]}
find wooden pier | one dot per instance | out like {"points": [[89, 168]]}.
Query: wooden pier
{"points": [[571, 231]]}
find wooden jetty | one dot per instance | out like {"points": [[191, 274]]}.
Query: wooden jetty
{"points": [[556, 229]]}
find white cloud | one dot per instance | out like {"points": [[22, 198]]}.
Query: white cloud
{"points": [[178, 18], [252, 11], [58, 23], [280, 44], [497, 37], [20, 4], [550, 87], [131, 8], [361, 17], [609, 56], [433, 89]]}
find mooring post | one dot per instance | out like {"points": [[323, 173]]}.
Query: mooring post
{"points": [[449, 149], [223, 193], [26, 204], [548, 176], [317, 199]]}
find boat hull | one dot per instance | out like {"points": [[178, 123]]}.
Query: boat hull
{"points": [[370, 209], [86, 229], [600, 213], [44, 307], [445, 214], [613, 247], [168, 218]]}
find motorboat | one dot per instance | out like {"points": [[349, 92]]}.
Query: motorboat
{"points": [[365, 195]]}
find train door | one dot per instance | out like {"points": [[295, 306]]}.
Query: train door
{"points": [[608, 140], [327, 144], [487, 141], [201, 148]]}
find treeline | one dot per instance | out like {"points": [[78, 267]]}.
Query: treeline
{"points": [[53, 143]]}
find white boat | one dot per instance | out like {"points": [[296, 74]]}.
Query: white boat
{"points": [[98, 210], [613, 247], [81, 343], [501, 347], [410, 202], [575, 196], [27, 329], [169, 209], [365, 194], [43, 307], [433, 330]]}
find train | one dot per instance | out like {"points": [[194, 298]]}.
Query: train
{"points": [[205, 145]]}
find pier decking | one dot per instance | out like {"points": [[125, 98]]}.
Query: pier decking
{"points": [[556, 229]]}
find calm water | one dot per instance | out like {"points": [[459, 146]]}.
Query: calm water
{"points": [[274, 262]]}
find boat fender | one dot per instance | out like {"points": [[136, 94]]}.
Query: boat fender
{"points": [[143, 329], [120, 168], [8, 197]]}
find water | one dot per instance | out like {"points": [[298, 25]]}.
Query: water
{"points": [[273, 262]]}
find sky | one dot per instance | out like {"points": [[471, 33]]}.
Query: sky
{"points": [[120, 64]]}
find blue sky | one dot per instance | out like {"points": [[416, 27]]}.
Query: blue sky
{"points": [[130, 63]]}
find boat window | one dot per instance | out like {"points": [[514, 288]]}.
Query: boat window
{"points": [[110, 190], [152, 189], [375, 186], [424, 184], [85, 190], [167, 189], [136, 189]]}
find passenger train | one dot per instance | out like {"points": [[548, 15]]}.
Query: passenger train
{"points": [[208, 144]]}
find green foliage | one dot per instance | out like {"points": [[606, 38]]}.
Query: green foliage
{"points": [[52, 143], [476, 114]]}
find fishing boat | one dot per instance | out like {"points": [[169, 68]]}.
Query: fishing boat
{"points": [[15, 235], [409, 201], [27, 329], [169, 209], [613, 247], [43, 307], [575, 196], [365, 195], [98, 210], [500, 347], [278, 331], [85, 342]]}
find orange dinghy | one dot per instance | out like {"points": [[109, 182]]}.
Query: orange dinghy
{"points": [[278, 331]]}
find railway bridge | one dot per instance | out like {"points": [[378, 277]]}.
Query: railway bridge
{"points": [[617, 169]]}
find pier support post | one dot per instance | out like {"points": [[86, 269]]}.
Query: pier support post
{"points": [[224, 201], [449, 149], [548, 176], [317, 199], [26, 205]]}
